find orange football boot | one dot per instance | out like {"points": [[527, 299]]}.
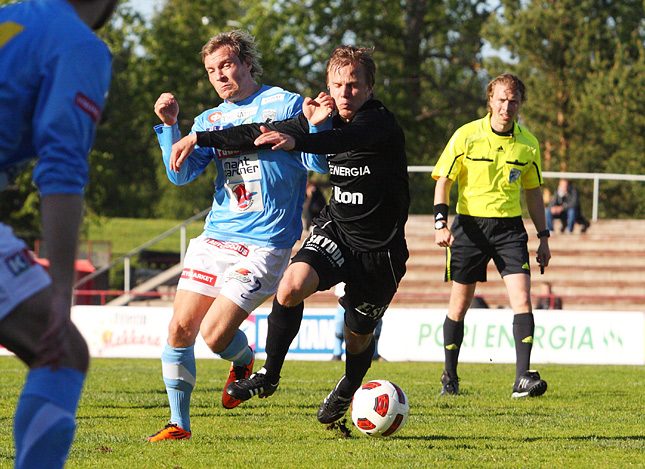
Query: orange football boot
{"points": [[172, 431], [234, 374]]}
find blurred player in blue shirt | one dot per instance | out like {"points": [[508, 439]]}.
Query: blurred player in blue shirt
{"points": [[237, 262], [54, 77]]}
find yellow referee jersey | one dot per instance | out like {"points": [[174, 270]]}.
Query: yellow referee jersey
{"points": [[490, 168]]}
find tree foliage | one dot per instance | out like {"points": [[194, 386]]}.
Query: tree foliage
{"points": [[428, 57], [122, 176], [582, 61], [561, 48]]}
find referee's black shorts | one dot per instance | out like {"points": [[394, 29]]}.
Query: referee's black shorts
{"points": [[478, 240], [371, 277]]}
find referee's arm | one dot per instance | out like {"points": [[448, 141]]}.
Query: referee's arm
{"points": [[443, 237], [535, 205]]}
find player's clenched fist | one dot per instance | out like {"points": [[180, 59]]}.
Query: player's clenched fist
{"points": [[167, 108], [317, 110]]}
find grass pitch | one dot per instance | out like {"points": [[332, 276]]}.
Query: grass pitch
{"points": [[591, 416]]}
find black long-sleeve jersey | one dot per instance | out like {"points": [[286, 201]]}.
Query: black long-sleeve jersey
{"points": [[368, 171]]}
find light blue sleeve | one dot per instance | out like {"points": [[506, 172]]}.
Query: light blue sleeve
{"points": [[193, 165], [317, 163], [65, 115]]}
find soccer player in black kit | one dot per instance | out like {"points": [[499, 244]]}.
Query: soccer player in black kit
{"points": [[358, 238]]}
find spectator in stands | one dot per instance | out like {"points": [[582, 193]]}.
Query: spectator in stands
{"points": [[547, 300], [565, 206]]}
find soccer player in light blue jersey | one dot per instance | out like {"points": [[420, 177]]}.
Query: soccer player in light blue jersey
{"points": [[54, 77], [237, 262]]}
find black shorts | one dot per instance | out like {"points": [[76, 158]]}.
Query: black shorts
{"points": [[478, 240], [371, 278]]}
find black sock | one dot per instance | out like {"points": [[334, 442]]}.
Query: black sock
{"points": [[453, 336], [356, 368], [284, 324], [523, 328]]}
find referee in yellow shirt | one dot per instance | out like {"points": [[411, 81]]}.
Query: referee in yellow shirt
{"points": [[491, 158]]}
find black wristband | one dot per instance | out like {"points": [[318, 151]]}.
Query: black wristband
{"points": [[441, 212], [544, 234]]}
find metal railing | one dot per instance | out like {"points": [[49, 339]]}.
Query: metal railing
{"points": [[595, 177], [125, 258]]}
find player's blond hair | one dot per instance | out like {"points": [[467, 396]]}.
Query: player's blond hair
{"points": [[509, 80], [356, 56], [241, 43]]}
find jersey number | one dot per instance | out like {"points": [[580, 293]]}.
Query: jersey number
{"points": [[8, 30]]}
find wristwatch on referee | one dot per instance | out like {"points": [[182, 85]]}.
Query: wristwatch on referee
{"points": [[440, 224], [544, 234]]}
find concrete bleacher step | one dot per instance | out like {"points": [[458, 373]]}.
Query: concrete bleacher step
{"points": [[601, 269]]}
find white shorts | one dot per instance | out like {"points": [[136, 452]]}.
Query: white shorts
{"points": [[244, 273], [21, 276]]}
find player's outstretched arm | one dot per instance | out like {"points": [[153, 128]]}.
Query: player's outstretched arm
{"points": [[316, 111], [277, 139], [242, 137], [182, 150]]}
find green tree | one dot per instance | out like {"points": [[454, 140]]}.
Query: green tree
{"points": [[428, 57], [172, 63], [123, 174], [559, 48], [582, 61], [613, 113]]}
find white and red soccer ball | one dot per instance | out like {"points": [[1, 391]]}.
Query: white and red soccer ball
{"points": [[380, 408]]}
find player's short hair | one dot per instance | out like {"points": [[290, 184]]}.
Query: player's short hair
{"points": [[509, 80], [241, 43], [356, 56]]}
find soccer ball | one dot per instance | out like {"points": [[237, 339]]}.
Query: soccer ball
{"points": [[380, 408]]}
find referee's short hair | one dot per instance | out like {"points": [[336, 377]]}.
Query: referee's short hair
{"points": [[352, 55], [241, 43], [509, 80]]}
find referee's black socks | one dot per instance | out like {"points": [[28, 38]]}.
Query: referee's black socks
{"points": [[453, 336], [523, 329]]}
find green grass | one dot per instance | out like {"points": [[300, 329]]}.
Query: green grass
{"points": [[591, 416], [126, 234]]}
